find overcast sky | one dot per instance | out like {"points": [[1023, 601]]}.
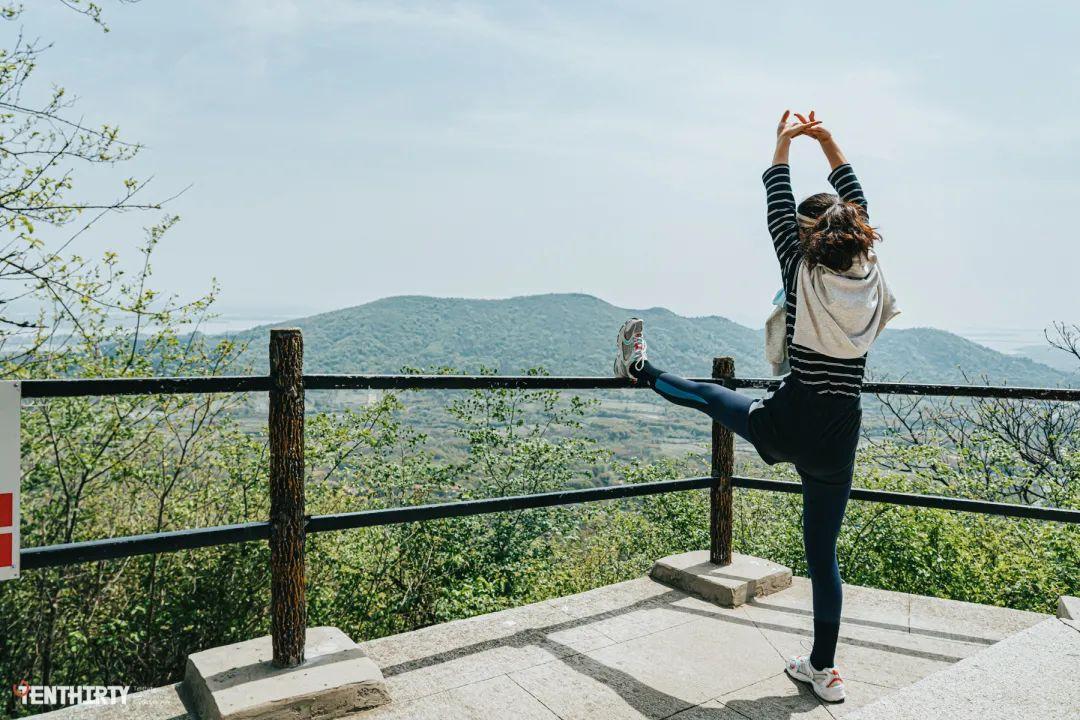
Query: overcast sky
{"points": [[345, 150]]}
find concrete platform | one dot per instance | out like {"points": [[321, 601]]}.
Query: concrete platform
{"points": [[728, 585], [238, 682], [640, 649]]}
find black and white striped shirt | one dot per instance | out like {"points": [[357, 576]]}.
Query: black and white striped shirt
{"points": [[821, 373]]}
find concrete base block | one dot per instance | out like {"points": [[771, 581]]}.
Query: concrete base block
{"points": [[729, 585], [1068, 607], [238, 682]]}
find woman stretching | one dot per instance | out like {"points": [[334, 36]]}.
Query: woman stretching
{"points": [[836, 304]]}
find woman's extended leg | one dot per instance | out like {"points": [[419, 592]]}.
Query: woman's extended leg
{"points": [[725, 406], [824, 502]]}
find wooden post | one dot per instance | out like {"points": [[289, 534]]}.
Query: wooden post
{"points": [[723, 465], [288, 600]]}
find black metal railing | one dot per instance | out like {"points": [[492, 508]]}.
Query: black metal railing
{"points": [[114, 548], [720, 482], [261, 383]]}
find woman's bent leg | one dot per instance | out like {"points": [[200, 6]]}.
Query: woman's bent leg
{"points": [[823, 512], [725, 406]]}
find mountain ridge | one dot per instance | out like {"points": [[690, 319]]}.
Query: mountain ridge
{"points": [[573, 334]]}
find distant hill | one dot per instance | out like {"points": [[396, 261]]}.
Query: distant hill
{"points": [[929, 355], [573, 334], [1051, 357]]}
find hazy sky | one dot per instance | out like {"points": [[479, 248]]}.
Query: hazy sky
{"points": [[346, 150]]}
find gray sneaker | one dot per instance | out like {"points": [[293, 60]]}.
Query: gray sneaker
{"points": [[631, 348], [826, 684]]}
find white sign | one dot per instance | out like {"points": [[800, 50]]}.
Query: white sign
{"points": [[10, 400]]}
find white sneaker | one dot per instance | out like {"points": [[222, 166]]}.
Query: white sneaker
{"points": [[630, 348], [826, 684]]}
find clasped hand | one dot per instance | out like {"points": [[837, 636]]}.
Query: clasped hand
{"points": [[791, 128]]}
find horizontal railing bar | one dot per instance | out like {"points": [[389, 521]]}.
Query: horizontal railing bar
{"points": [[465, 382], [114, 548], [938, 502], [390, 516], [564, 382], [80, 387], [531, 382]]}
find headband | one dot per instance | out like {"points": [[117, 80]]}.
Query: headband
{"points": [[808, 222]]}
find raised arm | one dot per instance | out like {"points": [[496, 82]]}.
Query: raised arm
{"points": [[780, 200], [847, 186], [779, 203], [842, 177]]}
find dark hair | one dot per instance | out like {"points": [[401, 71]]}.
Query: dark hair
{"points": [[839, 233]]}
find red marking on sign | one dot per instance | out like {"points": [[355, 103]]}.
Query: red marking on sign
{"points": [[5, 550], [6, 502]]}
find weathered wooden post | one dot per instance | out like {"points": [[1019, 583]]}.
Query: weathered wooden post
{"points": [[723, 465], [288, 599], [743, 577], [236, 681]]}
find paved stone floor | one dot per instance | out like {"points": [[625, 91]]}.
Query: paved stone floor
{"points": [[639, 649]]}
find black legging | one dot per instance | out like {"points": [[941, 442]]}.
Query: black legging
{"points": [[725, 406], [824, 500], [823, 512]]}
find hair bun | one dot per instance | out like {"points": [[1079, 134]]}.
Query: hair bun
{"points": [[837, 236]]}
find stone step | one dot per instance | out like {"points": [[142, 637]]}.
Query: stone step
{"points": [[1030, 674]]}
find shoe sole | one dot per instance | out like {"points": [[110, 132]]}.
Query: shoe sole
{"points": [[621, 369], [822, 698]]}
